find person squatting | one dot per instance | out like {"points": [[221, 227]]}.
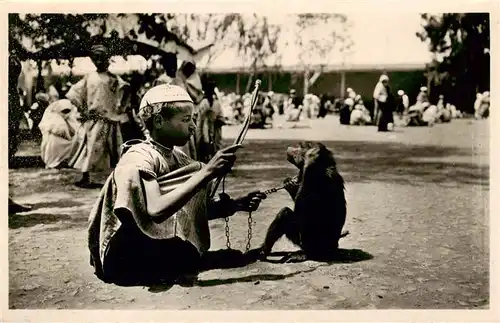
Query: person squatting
{"points": [[150, 222]]}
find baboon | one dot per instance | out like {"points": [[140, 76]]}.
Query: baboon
{"points": [[315, 224]]}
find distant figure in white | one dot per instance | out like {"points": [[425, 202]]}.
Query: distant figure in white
{"points": [[269, 107], [311, 106], [455, 113], [403, 103], [444, 111], [416, 111], [383, 110], [58, 127], [482, 105], [360, 115], [350, 93], [293, 107]]}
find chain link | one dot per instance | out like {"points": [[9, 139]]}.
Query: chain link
{"points": [[250, 219], [226, 228], [228, 241], [273, 190], [249, 236]]}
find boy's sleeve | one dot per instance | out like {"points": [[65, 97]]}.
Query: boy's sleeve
{"points": [[135, 164], [137, 159]]}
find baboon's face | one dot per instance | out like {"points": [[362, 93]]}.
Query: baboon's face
{"points": [[304, 153]]}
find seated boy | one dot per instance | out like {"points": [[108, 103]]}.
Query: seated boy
{"points": [[150, 222]]}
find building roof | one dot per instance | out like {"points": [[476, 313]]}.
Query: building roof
{"points": [[323, 68]]}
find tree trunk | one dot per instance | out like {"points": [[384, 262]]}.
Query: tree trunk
{"points": [[249, 83], [71, 62], [342, 85], [40, 86], [306, 81], [238, 83], [429, 84]]}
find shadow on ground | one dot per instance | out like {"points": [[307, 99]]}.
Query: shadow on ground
{"points": [[18, 162], [59, 204], [342, 256], [17, 221], [32, 218], [370, 161], [229, 258], [253, 278]]}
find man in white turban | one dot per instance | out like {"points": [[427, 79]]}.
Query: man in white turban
{"points": [[423, 95], [382, 100], [404, 102], [351, 93]]}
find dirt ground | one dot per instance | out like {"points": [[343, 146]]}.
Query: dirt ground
{"points": [[417, 212]]}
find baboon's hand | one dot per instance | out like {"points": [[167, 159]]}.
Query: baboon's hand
{"points": [[291, 185]]}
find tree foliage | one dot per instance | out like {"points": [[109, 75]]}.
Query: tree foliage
{"points": [[45, 30], [461, 66], [312, 43], [252, 36], [256, 38], [247, 33]]}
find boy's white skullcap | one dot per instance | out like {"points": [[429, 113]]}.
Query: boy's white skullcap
{"points": [[401, 92], [423, 88], [163, 93]]}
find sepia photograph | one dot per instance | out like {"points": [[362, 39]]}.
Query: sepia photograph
{"points": [[248, 160]]}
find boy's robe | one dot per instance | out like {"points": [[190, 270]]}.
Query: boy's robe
{"points": [[125, 200]]}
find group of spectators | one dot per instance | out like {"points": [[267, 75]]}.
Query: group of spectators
{"points": [[83, 125]]}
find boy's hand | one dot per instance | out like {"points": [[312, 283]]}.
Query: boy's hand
{"points": [[250, 202], [222, 162]]}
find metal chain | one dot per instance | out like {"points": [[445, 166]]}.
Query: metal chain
{"points": [[249, 236], [228, 242], [226, 228], [250, 219], [273, 190]]}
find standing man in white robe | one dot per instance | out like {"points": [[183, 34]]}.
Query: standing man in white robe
{"points": [[101, 99]]}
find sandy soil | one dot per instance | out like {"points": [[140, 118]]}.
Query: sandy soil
{"points": [[417, 213]]}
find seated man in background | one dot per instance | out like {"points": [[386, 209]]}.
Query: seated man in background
{"points": [[360, 116]]}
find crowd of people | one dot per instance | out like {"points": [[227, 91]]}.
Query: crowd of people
{"points": [[386, 106], [270, 104], [83, 125]]}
